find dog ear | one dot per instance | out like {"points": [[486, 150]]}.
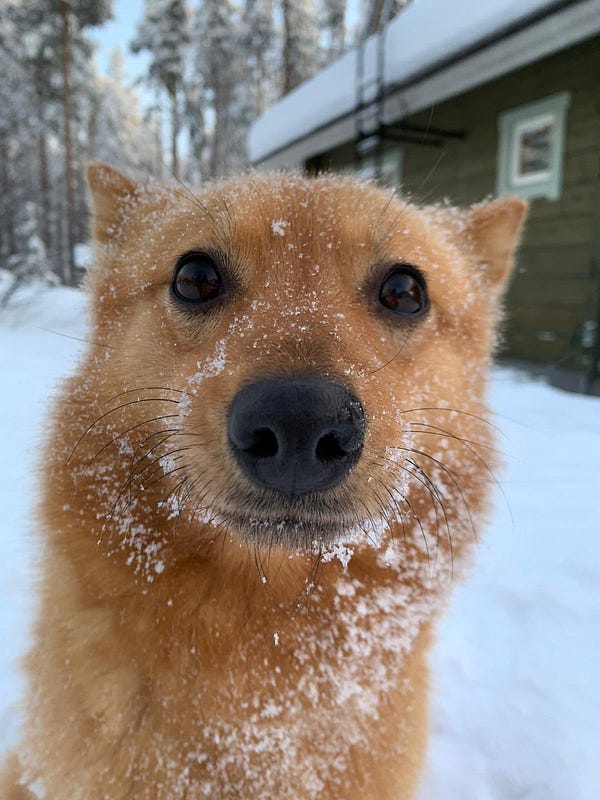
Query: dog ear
{"points": [[112, 194], [494, 229]]}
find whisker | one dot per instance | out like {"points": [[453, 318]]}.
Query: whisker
{"points": [[452, 411], [173, 492], [200, 499], [191, 197], [447, 434], [124, 433], [312, 579], [393, 358], [128, 484], [441, 501], [163, 476], [112, 411], [385, 512], [451, 474], [146, 389], [262, 573], [75, 338], [170, 454], [413, 511]]}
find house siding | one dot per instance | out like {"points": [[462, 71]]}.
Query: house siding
{"points": [[556, 286]]}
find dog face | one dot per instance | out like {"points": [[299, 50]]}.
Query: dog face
{"points": [[294, 358]]}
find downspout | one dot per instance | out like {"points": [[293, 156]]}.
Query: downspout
{"points": [[592, 383]]}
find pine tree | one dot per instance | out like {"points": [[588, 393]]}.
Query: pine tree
{"points": [[11, 123], [334, 25], [300, 42], [75, 16], [164, 32], [116, 132], [30, 259], [259, 46], [194, 114], [101, 116], [217, 34]]}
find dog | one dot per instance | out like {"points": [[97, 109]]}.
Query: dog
{"points": [[269, 469]]}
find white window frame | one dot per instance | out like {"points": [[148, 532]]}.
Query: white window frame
{"points": [[512, 125]]}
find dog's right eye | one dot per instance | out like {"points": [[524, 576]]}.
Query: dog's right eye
{"points": [[404, 292], [196, 279]]}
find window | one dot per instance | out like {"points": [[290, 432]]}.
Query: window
{"points": [[530, 148]]}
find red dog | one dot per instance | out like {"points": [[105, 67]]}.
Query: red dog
{"points": [[259, 485]]}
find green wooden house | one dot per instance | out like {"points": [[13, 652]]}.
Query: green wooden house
{"points": [[463, 100]]}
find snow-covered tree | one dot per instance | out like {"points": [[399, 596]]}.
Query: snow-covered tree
{"points": [[218, 59], [12, 123], [116, 130], [377, 13], [56, 111], [55, 56], [164, 32], [75, 15], [30, 259], [42, 116], [260, 52], [301, 38], [195, 109], [334, 26]]}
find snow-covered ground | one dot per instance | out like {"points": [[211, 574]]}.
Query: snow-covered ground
{"points": [[516, 704]]}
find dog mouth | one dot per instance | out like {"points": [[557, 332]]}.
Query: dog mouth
{"points": [[288, 531], [294, 440], [300, 524]]}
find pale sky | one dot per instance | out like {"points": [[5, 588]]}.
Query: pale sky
{"points": [[118, 33], [122, 28]]}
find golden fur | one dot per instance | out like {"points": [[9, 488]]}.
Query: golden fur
{"points": [[175, 658]]}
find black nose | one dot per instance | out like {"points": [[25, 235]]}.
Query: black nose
{"points": [[296, 435]]}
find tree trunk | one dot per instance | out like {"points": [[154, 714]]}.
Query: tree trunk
{"points": [[5, 200], [92, 127], [69, 265], [222, 104], [156, 117], [174, 132], [44, 208], [197, 142], [288, 77], [374, 17], [381, 12], [44, 180]]}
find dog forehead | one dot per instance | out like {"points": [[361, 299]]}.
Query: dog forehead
{"points": [[290, 212], [296, 226]]}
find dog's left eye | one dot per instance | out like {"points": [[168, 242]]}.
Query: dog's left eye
{"points": [[404, 292], [196, 279]]}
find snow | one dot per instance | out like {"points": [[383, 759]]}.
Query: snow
{"points": [[83, 255], [278, 227], [31, 361], [423, 35], [516, 695]]}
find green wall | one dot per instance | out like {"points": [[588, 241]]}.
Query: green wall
{"points": [[556, 286]]}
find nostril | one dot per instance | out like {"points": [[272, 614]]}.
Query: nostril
{"points": [[329, 448], [264, 444]]}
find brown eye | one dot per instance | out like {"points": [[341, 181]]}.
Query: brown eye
{"points": [[196, 279], [404, 292]]}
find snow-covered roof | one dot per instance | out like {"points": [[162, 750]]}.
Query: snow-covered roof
{"points": [[424, 35]]}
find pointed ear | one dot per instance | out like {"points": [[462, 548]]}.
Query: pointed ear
{"points": [[111, 194], [494, 228]]}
